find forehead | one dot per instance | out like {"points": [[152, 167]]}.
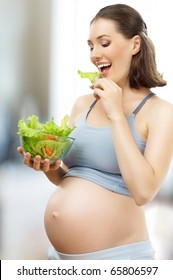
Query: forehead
{"points": [[102, 26]]}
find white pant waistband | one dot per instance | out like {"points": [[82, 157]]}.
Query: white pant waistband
{"points": [[133, 251]]}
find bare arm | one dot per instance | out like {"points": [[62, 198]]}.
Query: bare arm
{"points": [[143, 174]]}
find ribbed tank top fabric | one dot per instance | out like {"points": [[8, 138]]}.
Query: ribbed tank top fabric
{"points": [[93, 156]]}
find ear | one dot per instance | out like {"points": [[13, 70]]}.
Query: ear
{"points": [[136, 44]]}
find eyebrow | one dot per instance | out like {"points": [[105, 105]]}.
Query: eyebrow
{"points": [[99, 37]]}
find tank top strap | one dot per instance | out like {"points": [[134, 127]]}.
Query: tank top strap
{"points": [[90, 108], [92, 105], [142, 103]]}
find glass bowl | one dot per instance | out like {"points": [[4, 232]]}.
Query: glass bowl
{"points": [[47, 146]]}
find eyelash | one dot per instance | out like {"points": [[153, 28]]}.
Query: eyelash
{"points": [[104, 45]]}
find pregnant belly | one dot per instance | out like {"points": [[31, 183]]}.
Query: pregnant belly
{"points": [[83, 217]]}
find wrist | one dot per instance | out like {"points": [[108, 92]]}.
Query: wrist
{"points": [[63, 167], [61, 171], [118, 118]]}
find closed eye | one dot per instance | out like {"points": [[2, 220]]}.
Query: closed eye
{"points": [[104, 45]]}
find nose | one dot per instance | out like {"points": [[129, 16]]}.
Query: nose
{"points": [[95, 54]]}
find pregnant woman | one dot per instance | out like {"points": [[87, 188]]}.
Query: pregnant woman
{"points": [[122, 150]]}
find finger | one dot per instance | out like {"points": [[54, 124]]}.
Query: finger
{"points": [[98, 92], [92, 86], [48, 166], [104, 83], [27, 159], [45, 165], [36, 163], [56, 165], [20, 150], [99, 83]]}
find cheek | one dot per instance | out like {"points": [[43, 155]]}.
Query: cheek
{"points": [[122, 57]]}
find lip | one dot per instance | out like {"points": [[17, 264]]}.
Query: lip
{"points": [[103, 71], [102, 62]]}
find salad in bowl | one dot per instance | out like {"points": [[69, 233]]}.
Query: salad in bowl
{"points": [[49, 140]]}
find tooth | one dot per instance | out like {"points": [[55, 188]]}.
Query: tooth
{"points": [[103, 65]]}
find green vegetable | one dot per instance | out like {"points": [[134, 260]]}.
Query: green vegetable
{"points": [[90, 75], [32, 127], [47, 140]]}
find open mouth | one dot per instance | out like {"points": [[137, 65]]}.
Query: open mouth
{"points": [[104, 68]]}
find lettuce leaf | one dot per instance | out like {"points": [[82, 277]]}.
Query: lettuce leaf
{"points": [[33, 128], [53, 129], [90, 75]]}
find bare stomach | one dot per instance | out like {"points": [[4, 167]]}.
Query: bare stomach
{"points": [[83, 217]]}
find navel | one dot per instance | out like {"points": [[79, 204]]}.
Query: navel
{"points": [[55, 215]]}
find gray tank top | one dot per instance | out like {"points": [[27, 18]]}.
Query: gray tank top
{"points": [[93, 156]]}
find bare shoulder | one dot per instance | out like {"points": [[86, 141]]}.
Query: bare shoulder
{"points": [[160, 122], [83, 102], [161, 109], [80, 106]]}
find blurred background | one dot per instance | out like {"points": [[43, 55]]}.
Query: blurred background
{"points": [[42, 45]]}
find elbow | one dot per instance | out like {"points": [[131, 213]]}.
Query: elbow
{"points": [[144, 191], [141, 201], [144, 197]]}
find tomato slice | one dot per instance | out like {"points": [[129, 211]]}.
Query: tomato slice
{"points": [[49, 137], [49, 152]]}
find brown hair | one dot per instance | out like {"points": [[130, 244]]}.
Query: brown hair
{"points": [[143, 70]]}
